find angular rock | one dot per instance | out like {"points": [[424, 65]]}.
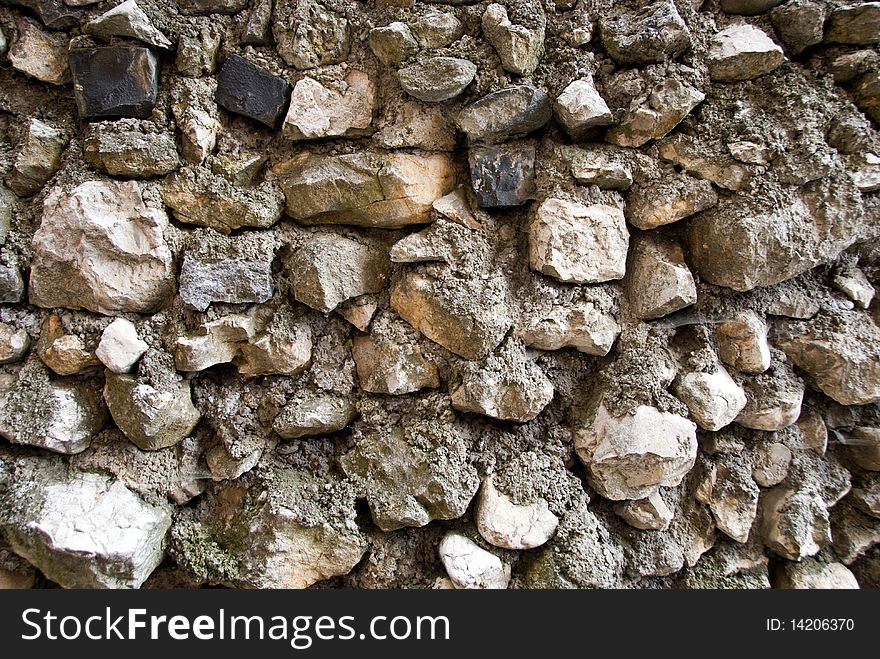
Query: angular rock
{"points": [[815, 574], [388, 367], [774, 399], [856, 24], [867, 497], [582, 324], [365, 188], [251, 91], [54, 14], [814, 433], [519, 48], [114, 81], [864, 447], [670, 200], [867, 95], [470, 566], [799, 24], [127, 20], [502, 176], [7, 205], [308, 34], [282, 346], [771, 462], [505, 114], [603, 167], [454, 206], [120, 347], [658, 281], [203, 7], [101, 247], [630, 457], [199, 197], [314, 415], [316, 112], [153, 412], [649, 514], [578, 243], [663, 109], [742, 52], [359, 311], [580, 108], [742, 343], [88, 531], [215, 342], [509, 525], [732, 496], [436, 29], [258, 29], [38, 160], [795, 523], [866, 172], [714, 400], [853, 532], [197, 51], [507, 386], [14, 344], [129, 150], [647, 35], [393, 44], [66, 355], [39, 54], [437, 79], [841, 355], [684, 151], [329, 269], [197, 117], [748, 7], [11, 284], [853, 283]]}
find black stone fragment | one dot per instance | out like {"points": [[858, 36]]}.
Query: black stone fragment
{"points": [[503, 175], [248, 90], [114, 81], [54, 14]]}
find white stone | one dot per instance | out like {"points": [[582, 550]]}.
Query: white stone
{"points": [[580, 108], [470, 566], [649, 514], [742, 52], [316, 112], [577, 243], [658, 281], [714, 400], [215, 342], [795, 522], [14, 344], [120, 347], [742, 343], [853, 283], [506, 524], [38, 160], [314, 415], [580, 325]]}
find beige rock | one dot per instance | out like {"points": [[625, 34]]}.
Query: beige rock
{"points": [[864, 447], [649, 514], [683, 151], [13, 579], [853, 283], [670, 200], [742, 52], [577, 243], [197, 52], [867, 497], [385, 366], [314, 415], [436, 29], [580, 108], [794, 522], [607, 168], [519, 47], [581, 325], [14, 344], [215, 342], [39, 54], [359, 311], [437, 79], [130, 149], [282, 346], [38, 159], [393, 43], [630, 457], [813, 432], [771, 462], [364, 188], [127, 20], [658, 280], [742, 343], [120, 347], [814, 574], [774, 400], [412, 124], [853, 532], [67, 355], [714, 400], [660, 112], [197, 117], [506, 524], [454, 206], [316, 111], [732, 496], [470, 566]]}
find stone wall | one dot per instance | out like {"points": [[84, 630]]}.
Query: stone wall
{"points": [[572, 293]]}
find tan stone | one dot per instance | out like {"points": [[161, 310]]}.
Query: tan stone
{"points": [[316, 111]]}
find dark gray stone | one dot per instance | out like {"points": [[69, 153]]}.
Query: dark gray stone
{"points": [[646, 35], [202, 7], [204, 280], [503, 175], [54, 14], [248, 90], [505, 114], [11, 284], [115, 81], [748, 7]]}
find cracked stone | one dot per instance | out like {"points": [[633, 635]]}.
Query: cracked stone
{"points": [[316, 112], [470, 566], [308, 34], [505, 114], [713, 399], [742, 343], [669, 200], [664, 108], [647, 35], [393, 44], [519, 48], [39, 54], [129, 150], [38, 160], [502, 176], [658, 281], [795, 523], [742, 52], [580, 108], [114, 81], [314, 415], [127, 20]]}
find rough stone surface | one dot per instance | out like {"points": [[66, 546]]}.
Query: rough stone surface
{"points": [[714, 400], [127, 20], [314, 415], [519, 47], [648, 514], [580, 108], [648, 207], [114, 81], [658, 281], [773, 399], [742, 52], [39, 54], [657, 114], [120, 347], [38, 160], [388, 366], [309, 34], [505, 114], [249, 90], [814, 574], [855, 24], [795, 523], [742, 343], [503, 523], [130, 151], [646, 35], [317, 112], [502, 176], [393, 43], [437, 78], [14, 344], [799, 24], [470, 566]]}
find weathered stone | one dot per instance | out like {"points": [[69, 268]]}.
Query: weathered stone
{"points": [[854, 533], [39, 54], [577, 243], [771, 462], [86, 530], [505, 114], [865, 170], [742, 343], [389, 360], [649, 514], [365, 188], [753, 153], [202, 7], [714, 400], [308, 34], [215, 342], [604, 167], [866, 497], [748, 7], [243, 167], [54, 14], [7, 206], [732, 496], [393, 44], [14, 344], [313, 415], [507, 386], [794, 522], [38, 160], [282, 346], [316, 112], [197, 52], [799, 24], [867, 94], [101, 247], [129, 150], [437, 79], [658, 280], [120, 347], [454, 206], [857, 24], [504, 523], [742, 52], [65, 354], [197, 196], [237, 271], [580, 108], [470, 566], [502, 176], [436, 29], [581, 324], [840, 354], [650, 34], [659, 113], [57, 416], [662, 202], [630, 457], [3, 43], [774, 399], [196, 116], [114, 81], [684, 151], [329, 269], [359, 311], [813, 431], [853, 283], [154, 412], [864, 447], [127, 20], [258, 28], [815, 574], [519, 47], [412, 124], [251, 91]]}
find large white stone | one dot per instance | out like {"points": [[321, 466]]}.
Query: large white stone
{"points": [[316, 112], [120, 346], [713, 399], [506, 524], [470, 566], [580, 108], [658, 281]]}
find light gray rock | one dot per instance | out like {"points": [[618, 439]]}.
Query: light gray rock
{"points": [[436, 29], [393, 43], [38, 160], [770, 464], [646, 35], [658, 280], [582, 323], [669, 200], [742, 52], [864, 447], [437, 79], [727, 488], [308, 34], [649, 514], [197, 117], [519, 47], [127, 20], [714, 400], [197, 51], [794, 522], [505, 114], [317, 112], [389, 360], [313, 415], [215, 342], [14, 344], [580, 108], [120, 347], [773, 399], [504, 523], [815, 574], [282, 345], [607, 168], [130, 149], [258, 28], [661, 111], [11, 284], [742, 343], [470, 566]]}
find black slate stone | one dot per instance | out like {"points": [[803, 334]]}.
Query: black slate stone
{"points": [[114, 81], [503, 176], [54, 14], [248, 90]]}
